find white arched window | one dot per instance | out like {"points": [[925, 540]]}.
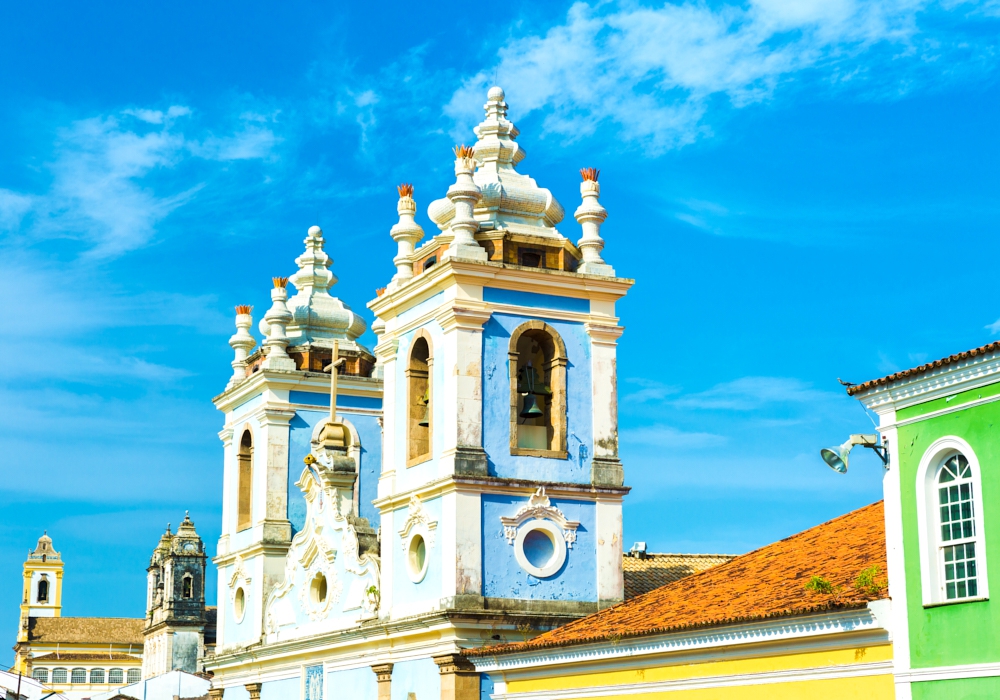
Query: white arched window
{"points": [[116, 675], [134, 675], [952, 562], [40, 674]]}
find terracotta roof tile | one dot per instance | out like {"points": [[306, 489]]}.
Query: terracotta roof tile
{"points": [[643, 574], [923, 369], [768, 582], [77, 630], [64, 657]]}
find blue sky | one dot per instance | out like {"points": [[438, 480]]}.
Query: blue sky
{"points": [[803, 191]]}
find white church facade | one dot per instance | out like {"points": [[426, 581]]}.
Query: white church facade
{"points": [[464, 489]]}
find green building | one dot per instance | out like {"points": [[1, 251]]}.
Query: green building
{"points": [[941, 425]]}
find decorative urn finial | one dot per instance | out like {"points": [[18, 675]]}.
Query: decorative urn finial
{"points": [[275, 321], [464, 195], [242, 342], [407, 233], [590, 215]]}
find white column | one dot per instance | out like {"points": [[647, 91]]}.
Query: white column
{"points": [[392, 414], [271, 482], [228, 460]]}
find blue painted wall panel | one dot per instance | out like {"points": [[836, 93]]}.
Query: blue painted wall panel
{"points": [[503, 577], [237, 692], [496, 405], [299, 441], [287, 689], [533, 300], [486, 686], [312, 398], [354, 683], [420, 677]]}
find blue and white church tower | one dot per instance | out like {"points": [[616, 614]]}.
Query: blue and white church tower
{"points": [[359, 564]]}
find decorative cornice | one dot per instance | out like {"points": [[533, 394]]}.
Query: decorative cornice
{"points": [[603, 333], [495, 485], [466, 317], [954, 378], [798, 675], [836, 622]]}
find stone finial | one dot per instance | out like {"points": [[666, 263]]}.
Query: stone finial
{"points": [[407, 233], [464, 195], [273, 326], [590, 214], [242, 342]]}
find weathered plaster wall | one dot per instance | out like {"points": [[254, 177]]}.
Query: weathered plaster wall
{"points": [[300, 437], [496, 404], [503, 577], [185, 649], [959, 633], [355, 683], [420, 677]]}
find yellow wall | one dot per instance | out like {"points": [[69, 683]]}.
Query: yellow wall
{"points": [[867, 687]]}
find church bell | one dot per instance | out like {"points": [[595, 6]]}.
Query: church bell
{"points": [[531, 409], [425, 421]]}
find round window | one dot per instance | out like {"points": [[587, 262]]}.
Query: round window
{"points": [[239, 604], [318, 589], [540, 548], [416, 558]]}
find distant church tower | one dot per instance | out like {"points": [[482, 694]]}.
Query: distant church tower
{"points": [[174, 637], [42, 592]]}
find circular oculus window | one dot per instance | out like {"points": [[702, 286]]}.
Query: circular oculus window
{"points": [[239, 604], [540, 548], [416, 558]]}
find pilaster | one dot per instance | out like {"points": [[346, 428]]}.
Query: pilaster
{"points": [[463, 389], [216, 693], [606, 469], [254, 690], [385, 352], [459, 678], [383, 674]]}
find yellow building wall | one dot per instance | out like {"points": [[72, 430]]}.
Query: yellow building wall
{"points": [[874, 687]]}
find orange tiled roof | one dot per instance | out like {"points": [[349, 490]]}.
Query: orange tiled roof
{"points": [[922, 369], [643, 574], [768, 582], [82, 630], [78, 656]]}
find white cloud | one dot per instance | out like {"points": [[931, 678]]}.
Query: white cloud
{"points": [[651, 390], [653, 71]]}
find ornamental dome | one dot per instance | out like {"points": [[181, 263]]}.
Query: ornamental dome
{"points": [[510, 200], [317, 317]]}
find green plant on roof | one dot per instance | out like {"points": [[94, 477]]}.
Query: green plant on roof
{"points": [[871, 581], [818, 584]]}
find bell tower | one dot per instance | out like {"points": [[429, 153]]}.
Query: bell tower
{"points": [[41, 594], [174, 637], [501, 486]]}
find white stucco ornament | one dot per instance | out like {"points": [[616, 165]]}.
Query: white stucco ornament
{"points": [[536, 522], [417, 519], [326, 580]]}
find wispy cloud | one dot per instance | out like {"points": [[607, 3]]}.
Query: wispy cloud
{"points": [[655, 71], [667, 437], [752, 393], [108, 189], [650, 390]]}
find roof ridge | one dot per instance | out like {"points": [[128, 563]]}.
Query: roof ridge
{"points": [[924, 368]]}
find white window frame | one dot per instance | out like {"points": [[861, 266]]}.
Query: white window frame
{"points": [[929, 525]]}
